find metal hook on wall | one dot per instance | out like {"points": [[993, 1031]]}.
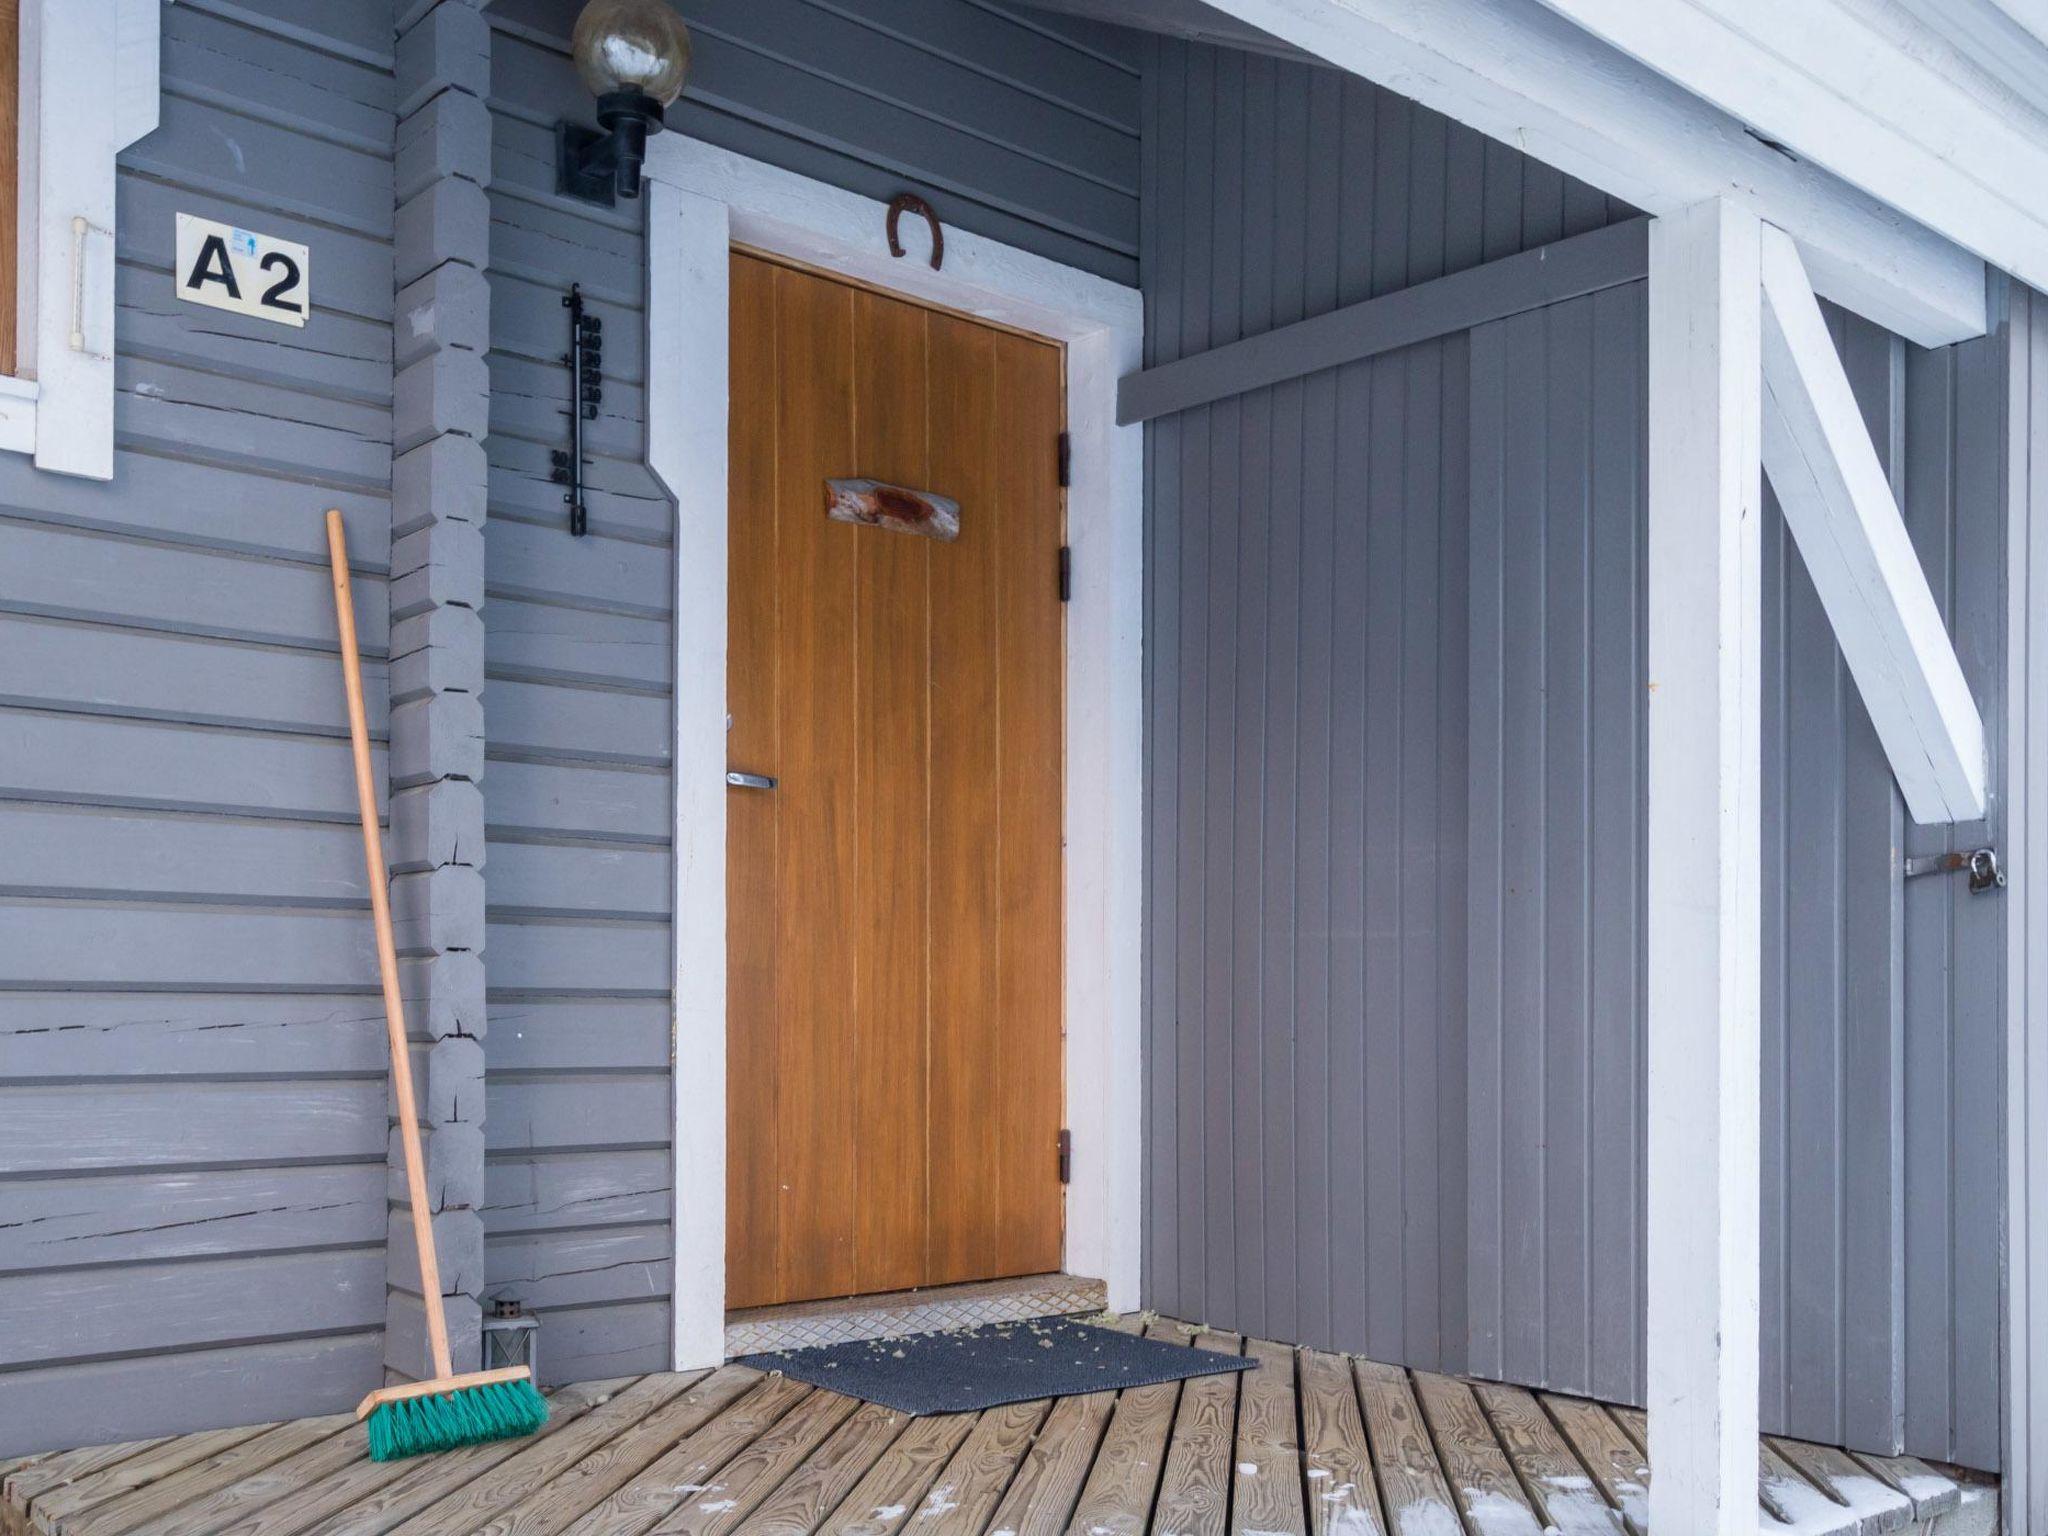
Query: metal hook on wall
{"points": [[915, 204]]}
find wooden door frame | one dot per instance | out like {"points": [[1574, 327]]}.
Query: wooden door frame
{"points": [[702, 201]]}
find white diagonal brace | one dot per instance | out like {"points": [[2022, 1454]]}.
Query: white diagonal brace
{"points": [[1839, 506]]}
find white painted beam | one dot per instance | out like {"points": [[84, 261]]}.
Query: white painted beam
{"points": [[1527, 76], [1705, 935], [689, 260], [1866, 90], [1840, 508]]}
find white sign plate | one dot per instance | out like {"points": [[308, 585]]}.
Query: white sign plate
{"points": [[228, 268]]}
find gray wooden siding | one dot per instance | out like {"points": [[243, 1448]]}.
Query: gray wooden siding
{"points": [[192, 1076], [1020, 130], [1394, 671], [1023, 128], [1554, 898], [1306, 669], [579, 806], [1882, 1000]]}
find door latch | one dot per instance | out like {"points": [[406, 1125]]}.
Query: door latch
{"points": [[1980, 864], [750, 780]]}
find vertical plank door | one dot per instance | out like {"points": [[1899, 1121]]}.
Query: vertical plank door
{"points": [[894, 902]]}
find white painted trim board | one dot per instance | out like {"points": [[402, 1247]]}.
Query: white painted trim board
{"points": [[1524, 75], [701, 201], [69, 140]]}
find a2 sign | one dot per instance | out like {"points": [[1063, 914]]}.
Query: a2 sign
{"points": [[249, 274]]}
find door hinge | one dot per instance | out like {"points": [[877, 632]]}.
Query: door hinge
{"points": [[1066, 573], [1066, 452], [1066, 1157]]}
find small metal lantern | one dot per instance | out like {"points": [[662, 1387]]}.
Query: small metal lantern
{"points": [[634, 56], [511, 1336]]}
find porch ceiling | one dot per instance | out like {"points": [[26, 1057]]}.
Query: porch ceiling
{"points": [[1664, 135]]}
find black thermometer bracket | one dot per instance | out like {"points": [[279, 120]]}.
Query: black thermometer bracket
{"points": [[585, 362]]}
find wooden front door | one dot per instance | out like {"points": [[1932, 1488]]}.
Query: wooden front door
{"points": [[894, 901]]}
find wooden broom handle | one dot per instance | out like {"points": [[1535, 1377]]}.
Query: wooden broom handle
{"points": [[387, 956]]}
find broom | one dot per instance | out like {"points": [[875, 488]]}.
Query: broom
{"points": [[449, 1410]]}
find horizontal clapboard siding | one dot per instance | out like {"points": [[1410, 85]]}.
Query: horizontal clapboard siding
{"points": [[579, 648], [1010, 126], [192, 1122]]}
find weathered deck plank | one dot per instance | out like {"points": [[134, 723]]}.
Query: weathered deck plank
{"points": [[965, 1494], [1048, 1482], [1621, 1470], [1418, 1499], [746, 1481], [1117, 1497], [1788, 1497], [1474, 1464], [337, 1496], [1546, 1464], [615, 1463], [58, 1508], [1194, 1490], [1932, 1494], [1266, 1497], [27, 1480], [692, 1463], [188, 1511], [816, 1488], [1305, 1444], [1343, 1492], [473, 1501], [900, 1479], [1876, 1505]]}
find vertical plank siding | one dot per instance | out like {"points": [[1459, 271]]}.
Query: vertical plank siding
{"points": [[1554, 1062], [192, 1081], [1011, 130], [1395, 651], [1306, 648]]}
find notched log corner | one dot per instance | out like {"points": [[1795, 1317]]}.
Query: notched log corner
{"points": [[892, 506]]}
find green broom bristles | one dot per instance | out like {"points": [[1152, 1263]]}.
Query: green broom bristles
{"points": [[498, 1410]]}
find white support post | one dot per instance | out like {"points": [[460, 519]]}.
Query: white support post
{"points": [[1705, 770], [1839, 505]]}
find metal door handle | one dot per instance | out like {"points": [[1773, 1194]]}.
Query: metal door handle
{"points": [[750, 780]]}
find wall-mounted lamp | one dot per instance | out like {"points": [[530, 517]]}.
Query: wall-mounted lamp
{"points": [[634, 56]]}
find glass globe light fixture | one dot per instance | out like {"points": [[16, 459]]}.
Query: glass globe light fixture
{"points": [[631, 45], [634, 56]]}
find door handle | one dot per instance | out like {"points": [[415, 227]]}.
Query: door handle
{"points": [[750, 780]]}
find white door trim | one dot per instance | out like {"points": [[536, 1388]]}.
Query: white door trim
{"points": [[701, 201]]}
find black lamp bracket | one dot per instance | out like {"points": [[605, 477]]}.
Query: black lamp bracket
{"points": [[600, 165]]}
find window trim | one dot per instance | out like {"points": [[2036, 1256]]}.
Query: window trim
{"points": [[60, 405]]}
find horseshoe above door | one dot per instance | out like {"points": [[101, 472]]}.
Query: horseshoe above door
{"points": [[915, 204]]}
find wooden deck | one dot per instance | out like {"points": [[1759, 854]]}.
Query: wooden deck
{"points": [[1309, 1443]]}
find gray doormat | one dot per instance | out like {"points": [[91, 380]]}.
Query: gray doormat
{"points": [[997, 1363]]}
